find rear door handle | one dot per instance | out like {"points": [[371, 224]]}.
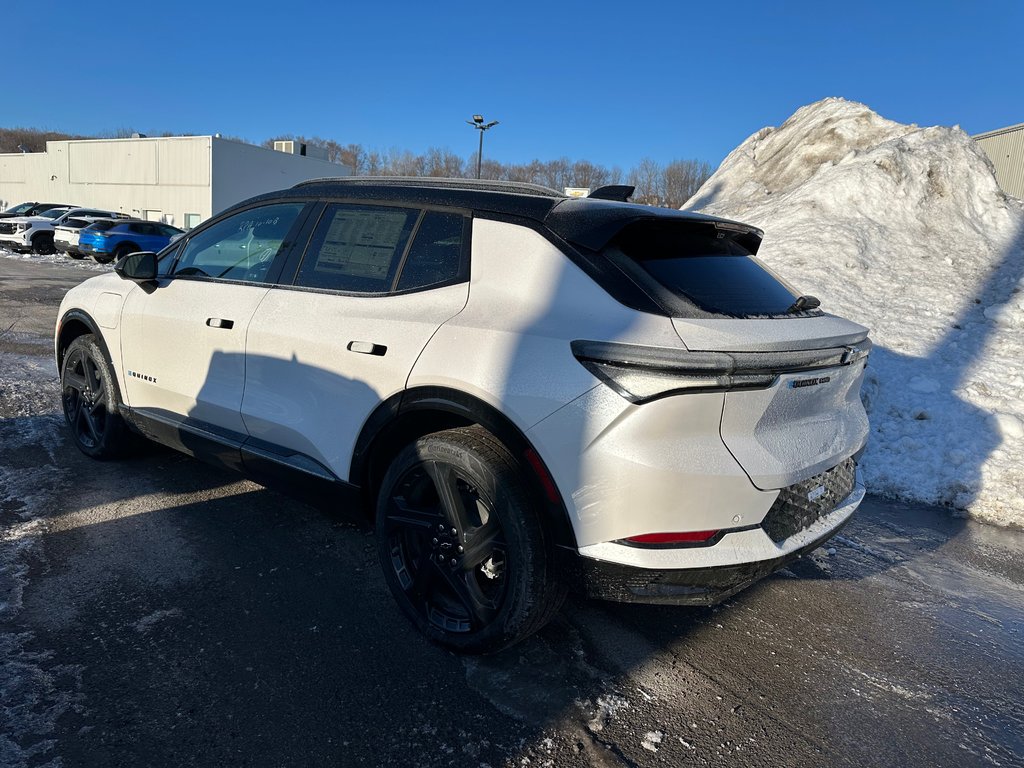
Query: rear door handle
{"points": [[219, 322], [367, 348]]}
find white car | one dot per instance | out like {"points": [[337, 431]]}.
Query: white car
{"points": [[35, 234], [533, 393]]}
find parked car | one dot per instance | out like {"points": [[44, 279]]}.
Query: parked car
{"points": [[35, 233], [109, 240], [30, 209], [66, 234], [532, 392]]}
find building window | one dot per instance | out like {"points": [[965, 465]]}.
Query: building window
{"points": [[192, 220]]}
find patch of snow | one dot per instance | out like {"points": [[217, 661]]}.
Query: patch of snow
{"points": [[904, 230], [57, 258], [652, 740], [146, 623], [34, 690]]}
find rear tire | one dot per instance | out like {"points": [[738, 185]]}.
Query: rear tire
{"points": [[123, 250], [462, 547], [90, 399]]}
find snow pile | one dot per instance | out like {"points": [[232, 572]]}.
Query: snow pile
{"points": [[904, 230], [57, 258]]}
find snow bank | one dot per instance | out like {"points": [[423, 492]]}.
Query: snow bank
{"points": [[57, 258], [903, 229]]}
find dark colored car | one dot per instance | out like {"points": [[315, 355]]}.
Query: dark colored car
{"points": [[108, 240], [30, 209]]}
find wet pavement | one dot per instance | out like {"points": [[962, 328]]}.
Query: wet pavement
{"points": [[157, 611]]}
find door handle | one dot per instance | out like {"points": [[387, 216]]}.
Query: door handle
{"points": [[218, 322], [367, 348]]}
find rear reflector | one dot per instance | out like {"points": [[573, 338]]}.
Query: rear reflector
{"points": [[688, 537]]}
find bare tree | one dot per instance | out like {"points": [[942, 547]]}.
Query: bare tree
{"points": [[443, 163], [647, 177], [682, 179]]}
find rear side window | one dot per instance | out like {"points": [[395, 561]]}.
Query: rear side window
{"points": [[436, 253], [357, 248], [706, 266]]}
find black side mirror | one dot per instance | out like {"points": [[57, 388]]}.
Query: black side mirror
{"points": [[139, 266]]}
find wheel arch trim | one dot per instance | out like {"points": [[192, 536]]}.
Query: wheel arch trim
{"points": [[59, 345]]}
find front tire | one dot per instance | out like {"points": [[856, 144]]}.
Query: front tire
{"points": [[90, 399], [43, 244], [461, 545]]}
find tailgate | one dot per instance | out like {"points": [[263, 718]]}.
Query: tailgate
{"points": [[811, 417]]}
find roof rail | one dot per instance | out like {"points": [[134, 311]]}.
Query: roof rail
{"points": [[435, 182]]}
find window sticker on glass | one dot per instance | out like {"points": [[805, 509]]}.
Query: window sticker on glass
{"points": [[361, 243]]}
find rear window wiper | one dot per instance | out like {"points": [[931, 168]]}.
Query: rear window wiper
{"points": [[803, 304]]}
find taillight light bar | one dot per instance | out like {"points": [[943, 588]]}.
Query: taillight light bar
{"points": [[641, 373]]}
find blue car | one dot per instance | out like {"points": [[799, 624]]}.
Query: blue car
{"points": [[108, 240]]}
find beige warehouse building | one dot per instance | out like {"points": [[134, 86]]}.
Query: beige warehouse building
{"points": [[1005, 148], [178, 180]]}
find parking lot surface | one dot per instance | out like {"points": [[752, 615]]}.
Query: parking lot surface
{"points": [[156, 611]]}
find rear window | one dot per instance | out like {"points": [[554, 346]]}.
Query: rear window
{"points": [[706, 266], [103, 226]]}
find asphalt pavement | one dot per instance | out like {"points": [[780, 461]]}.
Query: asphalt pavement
{"points": [[159, 612]]}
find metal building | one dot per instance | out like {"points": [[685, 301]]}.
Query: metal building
{"points": [[1005, 148], [178, 180]]}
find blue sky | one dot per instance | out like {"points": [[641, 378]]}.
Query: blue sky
{"points": [[609, 82]]}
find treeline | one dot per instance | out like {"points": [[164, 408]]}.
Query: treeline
{"points": [[666, 184]]}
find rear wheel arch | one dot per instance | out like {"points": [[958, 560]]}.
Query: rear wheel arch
{"points": [[407, 416]]}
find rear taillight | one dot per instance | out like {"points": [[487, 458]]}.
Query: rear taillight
{"points": [[639, 373]]}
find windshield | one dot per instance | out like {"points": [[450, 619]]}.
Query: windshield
{"points": [[21, 208], [54, 213]]}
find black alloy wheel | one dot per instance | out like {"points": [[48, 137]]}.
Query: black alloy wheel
{"points": [[460, 544], [43, 244], [90, 400], [447, 547]]}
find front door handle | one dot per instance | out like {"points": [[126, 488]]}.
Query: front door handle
{"points": [[219, 322], [367, 348]]}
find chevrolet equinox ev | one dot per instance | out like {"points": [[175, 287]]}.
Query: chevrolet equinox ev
{"points": [[531, 392]]}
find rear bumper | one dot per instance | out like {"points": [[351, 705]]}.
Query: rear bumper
{"points": [[63, 247], [89, 249], [701, 576]]}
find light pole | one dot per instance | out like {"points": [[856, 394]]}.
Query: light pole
{"points": [[478, 123]]}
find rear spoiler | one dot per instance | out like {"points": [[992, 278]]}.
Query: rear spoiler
{"points": [[594, 222]]}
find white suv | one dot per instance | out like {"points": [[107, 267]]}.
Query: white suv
{"points": [[531, 392]]}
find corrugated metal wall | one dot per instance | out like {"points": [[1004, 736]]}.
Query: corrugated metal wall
{"points": [[1005, 148]]}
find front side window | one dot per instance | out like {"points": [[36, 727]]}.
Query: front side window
{"points": [[357, 248], [241, 247]]}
